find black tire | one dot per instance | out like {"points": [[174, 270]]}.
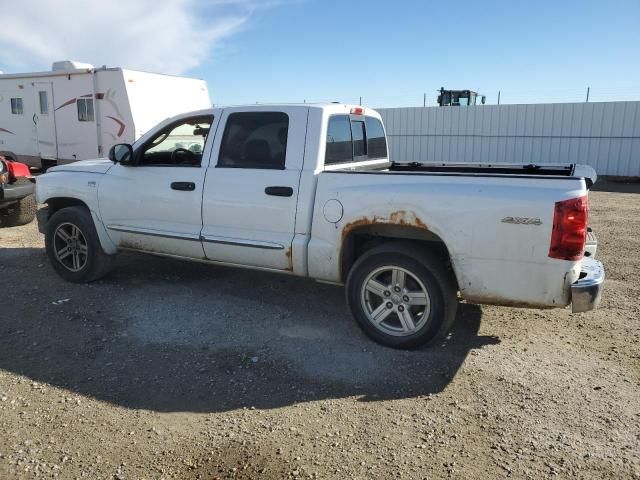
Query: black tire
{"points": [[96, 264], [426, 272], [21, 213]]}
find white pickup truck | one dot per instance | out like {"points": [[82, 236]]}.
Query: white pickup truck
{"points": [[308, 190]]}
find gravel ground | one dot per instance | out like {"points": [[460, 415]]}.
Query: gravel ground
{"points": [[180, 370]]}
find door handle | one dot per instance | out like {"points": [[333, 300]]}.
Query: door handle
{"points": [[184, 186], [279, 191]]}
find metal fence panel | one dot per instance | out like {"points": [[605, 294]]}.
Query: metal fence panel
{"points": [[605, 135]]}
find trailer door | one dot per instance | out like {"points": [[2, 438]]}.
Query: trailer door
{"points": [[45, 121]]}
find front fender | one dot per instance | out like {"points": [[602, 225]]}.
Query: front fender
{"points": [[73, 188]]}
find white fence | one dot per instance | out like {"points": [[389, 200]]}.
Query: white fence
{"points": [[605, 135]]}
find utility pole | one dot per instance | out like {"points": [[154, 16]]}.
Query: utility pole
{"points": [[498, 97], [588, 88], [360, 100]]}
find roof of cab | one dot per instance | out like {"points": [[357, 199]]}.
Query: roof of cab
{"points": [[331, 106]]}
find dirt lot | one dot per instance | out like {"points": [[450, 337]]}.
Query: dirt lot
{"points": [[180, 370]]}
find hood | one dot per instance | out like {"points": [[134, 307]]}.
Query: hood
{"points": [[98, 165]]}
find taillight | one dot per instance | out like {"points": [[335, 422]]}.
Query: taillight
{"points": [[357, 111], [569, 233]]}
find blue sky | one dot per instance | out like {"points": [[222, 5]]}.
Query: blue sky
{"points": [[393, 52], [390, 53]]}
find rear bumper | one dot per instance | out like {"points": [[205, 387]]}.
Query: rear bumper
{"points": [[13, 192], [587, 291]]}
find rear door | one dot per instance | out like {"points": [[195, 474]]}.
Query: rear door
{"points": [[251, 186], [45, 121]]}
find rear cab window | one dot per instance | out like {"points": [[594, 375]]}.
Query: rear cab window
{"points": [[352, 139]]}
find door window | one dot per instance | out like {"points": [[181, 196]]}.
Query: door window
{"points": [[179, 144], [255, 140], [44, 103]]}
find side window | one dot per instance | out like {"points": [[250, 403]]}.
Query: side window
{"points": [[255, 140], [180, 144], [44, 103], [376, 141], [85, 110], [16, 106], [339, 143]]}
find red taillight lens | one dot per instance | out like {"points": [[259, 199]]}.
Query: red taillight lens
{"points": [[357, 111], [569, 233]]}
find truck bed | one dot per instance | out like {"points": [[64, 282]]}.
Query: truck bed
{"points": [[482, 169], [501, 168]]}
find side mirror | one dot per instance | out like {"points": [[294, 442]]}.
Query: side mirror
{"points": [[121, 153]]}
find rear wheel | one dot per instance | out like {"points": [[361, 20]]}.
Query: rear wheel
{"points": [[73, 246], [22, 212], [401, 296]]}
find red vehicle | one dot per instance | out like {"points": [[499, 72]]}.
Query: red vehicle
{"points": [[17, 194]]}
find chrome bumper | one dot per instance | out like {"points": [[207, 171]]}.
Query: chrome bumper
{"points": [[586, 292]]}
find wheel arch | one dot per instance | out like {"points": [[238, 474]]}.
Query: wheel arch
{"points": [[361, 238], [56, 204]]}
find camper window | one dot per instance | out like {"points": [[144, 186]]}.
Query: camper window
{"points": [[85, 110], [16, 106], [44, 104]]}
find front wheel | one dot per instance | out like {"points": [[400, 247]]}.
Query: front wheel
{"points": [[401, 296], [73, 246]]}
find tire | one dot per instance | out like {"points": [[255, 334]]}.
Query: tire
{"points": [[83, 260], [21, 213], [422, 311]]}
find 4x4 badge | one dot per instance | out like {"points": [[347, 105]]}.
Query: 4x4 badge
{"points": [[522, 221]]}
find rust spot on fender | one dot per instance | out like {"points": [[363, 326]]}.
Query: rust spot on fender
{"points": [[399, 217]]}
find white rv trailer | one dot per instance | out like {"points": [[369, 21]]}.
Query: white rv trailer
{"points": [[76, 111]]}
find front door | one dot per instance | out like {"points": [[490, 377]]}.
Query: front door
{"points": [[251, 191], [155, 204], [45, 121]]}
